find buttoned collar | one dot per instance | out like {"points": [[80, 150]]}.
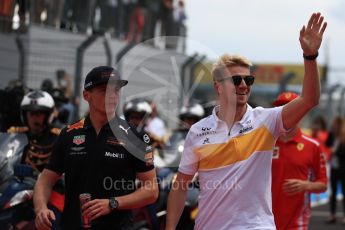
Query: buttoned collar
{"points": [[298, 136], [88, 123], [244, 120]]}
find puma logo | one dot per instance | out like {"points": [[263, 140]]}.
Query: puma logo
{"points": [[126, 130]]}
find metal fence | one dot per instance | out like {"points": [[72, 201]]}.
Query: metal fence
{"points": [[40, 52]]}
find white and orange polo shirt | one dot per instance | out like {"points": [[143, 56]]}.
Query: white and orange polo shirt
{"points": [[234, 168]]}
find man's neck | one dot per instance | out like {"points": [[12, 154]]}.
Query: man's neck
{"points": [[99, 120], [240, 111], [229, 115]]}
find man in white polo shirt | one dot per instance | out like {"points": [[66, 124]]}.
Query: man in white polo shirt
{"points": [[232, 149]]}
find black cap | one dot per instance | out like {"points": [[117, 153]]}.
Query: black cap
{"points": [[101, 75]]}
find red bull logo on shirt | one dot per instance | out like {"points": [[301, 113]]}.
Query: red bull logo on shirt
{"points": [[78, 125]]}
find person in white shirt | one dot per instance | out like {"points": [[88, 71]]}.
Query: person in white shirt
{"points": [[232, 149]]}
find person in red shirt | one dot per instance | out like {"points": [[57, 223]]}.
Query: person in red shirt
{"points": [[298, 169]]}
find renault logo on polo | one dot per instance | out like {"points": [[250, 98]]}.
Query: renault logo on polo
{"points": [[205, 129], [206, 141]]}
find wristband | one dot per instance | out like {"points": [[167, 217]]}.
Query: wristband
{"points": [[310, 57]]}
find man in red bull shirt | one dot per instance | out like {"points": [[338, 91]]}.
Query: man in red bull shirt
{"points": [[298, 169], [101, 155]]}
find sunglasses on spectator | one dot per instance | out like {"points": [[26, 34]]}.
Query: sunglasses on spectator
{"points": [[237, 79]]}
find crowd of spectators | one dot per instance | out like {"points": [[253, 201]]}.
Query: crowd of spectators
{"points": [[130, 20]]}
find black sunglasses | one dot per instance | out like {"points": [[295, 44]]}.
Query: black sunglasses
{"points": [[237, 79]]}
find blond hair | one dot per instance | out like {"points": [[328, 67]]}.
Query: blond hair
{"points": [[226, 60]]}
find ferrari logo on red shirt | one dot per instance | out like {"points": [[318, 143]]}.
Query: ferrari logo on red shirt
{"points": [[300, 146]]}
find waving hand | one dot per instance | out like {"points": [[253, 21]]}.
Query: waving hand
{"points": [[311, 35]]}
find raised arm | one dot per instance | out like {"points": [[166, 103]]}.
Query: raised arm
{"points": [[310, 40]]}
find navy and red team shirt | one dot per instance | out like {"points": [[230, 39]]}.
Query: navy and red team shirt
{"points": [[104, 165]]}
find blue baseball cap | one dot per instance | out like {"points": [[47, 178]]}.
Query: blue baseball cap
{"points": [[102, 75]]}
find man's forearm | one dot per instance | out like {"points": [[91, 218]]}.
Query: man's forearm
{"points": [[176, 202], [311, 84], [41, 195], [143, 196], [316, 187]]}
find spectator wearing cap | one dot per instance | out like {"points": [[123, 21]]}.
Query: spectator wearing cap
{"points": [[285, 98], [298, 169], [103, 156]]}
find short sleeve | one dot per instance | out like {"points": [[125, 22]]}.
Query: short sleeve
{"points": [[142, 151], [274, 121], [189, 160], [56, 162], [319, 165]]}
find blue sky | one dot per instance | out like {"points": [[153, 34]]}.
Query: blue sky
{"points": [[265, 31]]}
